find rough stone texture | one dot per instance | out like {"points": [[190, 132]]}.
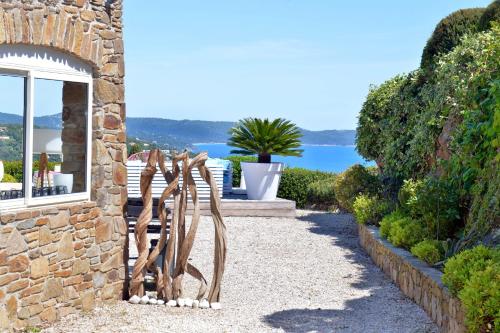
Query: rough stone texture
{"points": [[416, 280], [55, 247]]}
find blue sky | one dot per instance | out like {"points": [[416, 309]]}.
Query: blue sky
{"points": [[310, 61]]}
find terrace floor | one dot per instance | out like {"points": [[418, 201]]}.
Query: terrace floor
{"points": [[303, 274]]}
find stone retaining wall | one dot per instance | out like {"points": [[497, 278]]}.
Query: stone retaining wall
{"points": [[416, 280]]}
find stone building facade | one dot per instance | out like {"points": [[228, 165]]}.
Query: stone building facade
{"points": [[60, 258]]}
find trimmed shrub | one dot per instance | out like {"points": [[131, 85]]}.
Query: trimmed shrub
{"points": [[448, 33], [295, 183], [407, 194], [370, 209], [352, 182], [8, 179], [320, 194], [481, 299], [236, 161], [430, 251], [387, 221], [491, 14], [459, 269], [406, 232]]}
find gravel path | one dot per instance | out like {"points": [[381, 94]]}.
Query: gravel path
{"points": [[283, 275]]}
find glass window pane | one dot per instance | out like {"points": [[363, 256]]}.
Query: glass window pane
{"points": [[59, 137], [12, 110]]}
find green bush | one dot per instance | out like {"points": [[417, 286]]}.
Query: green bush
{"points": [[481, 299], [295, 182], [430, 251], [320, 194], [458, 269], [406, 232], [449, 32], [8, 179], [370, 209], [236, 162], [387, 222], [407, 194], [15, 168], [491, 14], [354, 181]]}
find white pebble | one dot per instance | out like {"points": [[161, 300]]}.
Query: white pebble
{"points": [[134, 299], [196, 304], [172, 303], [189, 302], [181, 302], [153, 301], [204, 304], [216, 306], [144, 299], [160, 302]]}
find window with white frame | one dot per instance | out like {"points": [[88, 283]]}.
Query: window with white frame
{"points": [[45, 123]]}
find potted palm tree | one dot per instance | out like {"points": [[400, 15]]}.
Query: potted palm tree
{"points": [[264, 138]]}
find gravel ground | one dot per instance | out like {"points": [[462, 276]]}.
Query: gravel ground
{"points": [[282, 275]]}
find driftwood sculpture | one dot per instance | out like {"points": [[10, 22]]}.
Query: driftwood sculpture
{"points": [[169, 277]]}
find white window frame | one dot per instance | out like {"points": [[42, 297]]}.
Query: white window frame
{"points": [[40, 64]]}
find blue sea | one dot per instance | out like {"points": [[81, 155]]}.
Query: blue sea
{"points": [[324, 158]]}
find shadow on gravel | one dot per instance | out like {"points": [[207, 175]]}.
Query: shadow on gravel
{"points": [[366, 314]]}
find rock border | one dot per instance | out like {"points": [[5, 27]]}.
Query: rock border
{"points": [[416, 279]]}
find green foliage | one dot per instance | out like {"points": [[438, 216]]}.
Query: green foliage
{"points": [[388, 221], [481, 299], [352, 182], [370, 209], [320, 194], [435, 202], [374, 112], [405, 232], [295, 182], [491, 14], [8, 179], [262, 137], [236, 163], [407, 194], [15, 168], [458, 269], [430, 251], [449, 32], [12, 148]]}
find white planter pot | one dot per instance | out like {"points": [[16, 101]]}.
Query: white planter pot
{"points": [[243, 186], [64, 179], [262, 179], [1, 171]]}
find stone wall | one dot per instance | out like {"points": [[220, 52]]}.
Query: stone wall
{"points": [[61, 258], [416, 280]]}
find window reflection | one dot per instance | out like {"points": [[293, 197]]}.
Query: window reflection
{"points": [[12, 122]]}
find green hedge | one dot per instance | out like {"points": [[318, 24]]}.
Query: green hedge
{"points": [[295, 183], [321, 195], [15, 168], [236, 162], [354, 181]]}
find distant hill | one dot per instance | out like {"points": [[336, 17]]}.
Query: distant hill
{"points": [[184, 133]]}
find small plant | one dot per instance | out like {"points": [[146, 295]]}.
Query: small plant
{"points": [[370, 209], [264, 138], [352, 182], [406, 232], [387, 222], [481, 299], [8, 179], [458, 269], [320, 194], [430, 251]]}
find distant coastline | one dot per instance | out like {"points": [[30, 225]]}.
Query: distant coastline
{"points": [[304, 144]]}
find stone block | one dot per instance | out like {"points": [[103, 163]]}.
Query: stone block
{"points": [[16, 243], [18, 263], [65, 247], [60, 220], [52, 288]]}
